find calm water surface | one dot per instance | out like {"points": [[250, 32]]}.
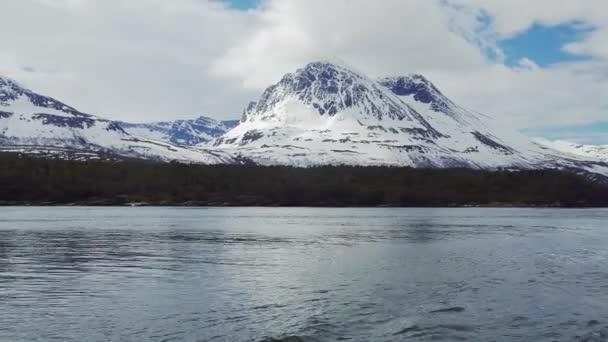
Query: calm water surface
{"points": [[169, 274]]}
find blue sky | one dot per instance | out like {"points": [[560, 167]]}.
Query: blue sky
{"points": [[584, 134], [544, 45], [242, 4]]}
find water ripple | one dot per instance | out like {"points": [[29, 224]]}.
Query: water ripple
{"points": [[302, 274]]}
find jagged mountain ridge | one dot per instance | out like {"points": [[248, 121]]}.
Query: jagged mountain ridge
{"points": [[326, 113], [337, 104], [181, 132], [322, 114], [36, 124]]}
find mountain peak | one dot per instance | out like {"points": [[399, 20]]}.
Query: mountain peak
{"points": [[412, 84], [8, 82], [206, 120], [10, 89], [181, 132], [329, 63], [420, 88], [328, 88], [328, 68]]}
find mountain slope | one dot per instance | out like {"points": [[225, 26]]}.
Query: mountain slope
{"points": [[326, 113], [35, 124], [599, 152], [322, 114], [181, 132]]}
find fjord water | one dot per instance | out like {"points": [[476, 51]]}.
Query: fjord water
{"points": [[303, 274]]}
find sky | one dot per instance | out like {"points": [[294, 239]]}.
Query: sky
{"points": [[540, 67]]}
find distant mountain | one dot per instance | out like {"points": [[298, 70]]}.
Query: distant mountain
{"points": [[599, 152], [328, 113], [323, 114], [181, 132], [36, 124]]}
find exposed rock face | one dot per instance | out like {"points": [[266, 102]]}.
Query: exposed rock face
{"points": [[322, 114], [181, 132], [327, 113]]}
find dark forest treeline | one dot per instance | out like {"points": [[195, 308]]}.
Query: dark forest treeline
{"points": [[25, 180]]}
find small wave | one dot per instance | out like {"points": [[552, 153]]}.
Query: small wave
{"points": [[269, 306], [450, 332], [457, 327], [598, 334], [290, 339], [449, 310], [407, 330]]}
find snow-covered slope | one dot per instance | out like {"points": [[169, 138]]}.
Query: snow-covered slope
{"points": [[181, 132], [599, 152], [37, 124], [322, 114], [327, 113]]}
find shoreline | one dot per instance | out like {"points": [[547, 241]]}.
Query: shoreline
{"points": [[37, 182]]}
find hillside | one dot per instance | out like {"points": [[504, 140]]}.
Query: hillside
{"points": [[35, 124], [324, 113], [25, 180], [329, 114], [181, 132]]}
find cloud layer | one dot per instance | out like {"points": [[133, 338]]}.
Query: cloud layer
{"points": [[156, 59], [137, 60]]}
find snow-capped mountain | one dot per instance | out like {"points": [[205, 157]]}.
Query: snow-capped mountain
{"points": [[599, 152], [322, 114], [181, 132], [327, 113], [36, 124]]}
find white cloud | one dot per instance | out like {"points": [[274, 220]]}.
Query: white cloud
{"points": [[445, 42], [391, 36], [513, 16], [159, 59], [137, 59]]}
